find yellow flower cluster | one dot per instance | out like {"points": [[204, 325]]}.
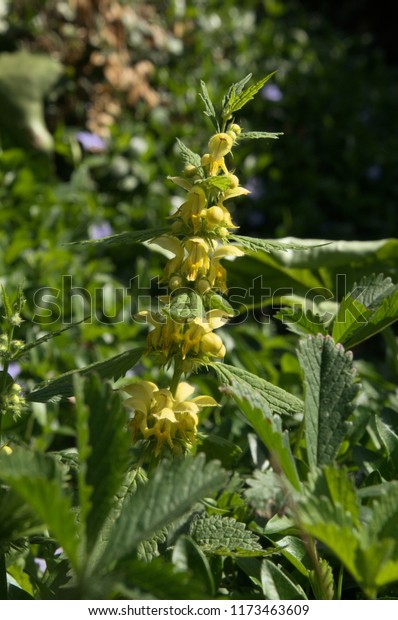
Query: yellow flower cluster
{"points": [[193, 339], [165, 418], [183, 331]]}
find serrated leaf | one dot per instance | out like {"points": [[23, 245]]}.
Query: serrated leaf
{"points": [[371, 306], [277, 585], [147, 550], [125, 238], [271, 397], [256, 135], [236, 88], [62, 386], [239, 97], [209, 107], [329, 392], [173, 489], [322, 581], [385, 516], [272, 245], [39, 480], [214, 533], [254, 398], [188, 156], [265, 491], [302, 322], [108, 442], [45, 338]]}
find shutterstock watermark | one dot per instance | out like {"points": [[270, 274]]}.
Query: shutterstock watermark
{"points": [[69, 303]]}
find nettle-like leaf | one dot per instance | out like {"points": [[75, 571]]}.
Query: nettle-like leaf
{"points": [[265, 491], [147, 550], [39, 480], [329, 511], [103, 450], [31, 345], [255, 400], [367, 309], [256, 135], [237, 97], [224, 536], [189, 157], [271, 397], [270, 245], [125, 238], [209, 107], [329, 392], [219, 182], [62, 386], [302, 322], [174, 488]]}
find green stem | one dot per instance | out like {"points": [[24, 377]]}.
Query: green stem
{"points": [[176, 375], [340, 583], [3, 578]]}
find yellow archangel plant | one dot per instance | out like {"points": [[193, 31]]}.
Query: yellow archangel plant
{"points": [[199, 238]]}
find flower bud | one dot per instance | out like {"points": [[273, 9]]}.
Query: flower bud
{"points": [[214, 216], [235, 128], [190, 170], [175, 282], [206, 159], [211, 344], [177, 227], [202, 286], [220, 145], [234, 180], [223, 232]]}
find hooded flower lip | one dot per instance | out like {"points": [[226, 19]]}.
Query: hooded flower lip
{"points": [[163, 418]]}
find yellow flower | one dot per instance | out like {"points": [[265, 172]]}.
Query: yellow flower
{"points": [[197, 333], [220, 145], [217, 274], [163, 418], [197, 262]]}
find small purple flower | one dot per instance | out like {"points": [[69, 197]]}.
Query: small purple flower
{"points": [[91, 142], [41, 565], [256, 187], [14, 369], [102, 229], [272, 92]]}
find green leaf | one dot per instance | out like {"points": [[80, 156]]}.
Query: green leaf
{"points": [[188, 156], [189, 558], [39, 480], [108, 442], [161, 580], [185, 304], [125, 238], [329, 391], [277, 585], [239, 97], [302, 322], [62, 386], [271, 397], [6, 303], [235, 89], [322, 583], [256, 135], [219, 182], [174, 488], [218, 534], [45, 338], [266, 492], [252, 397], [271, 245], [209, 107], [371, 306]]}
